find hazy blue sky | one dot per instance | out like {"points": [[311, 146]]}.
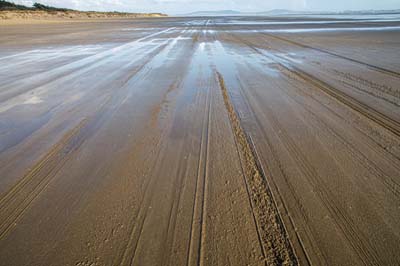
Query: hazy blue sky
{"points": [[181, 6]]}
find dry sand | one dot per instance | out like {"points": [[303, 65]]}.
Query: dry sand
{"points": [[200, 141], [35, 16]]}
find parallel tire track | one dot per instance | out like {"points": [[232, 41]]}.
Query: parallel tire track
{"points": [[20, 197], [16, 201], [364, 110], [182, 175], [377, 68], [194, 254], [374, 115], [136, 223], [379, 118], [69, 71], [362, 131], [138, 220], [275, 243], [202, 238], [364, 160], [355, 238], [302, 254]]}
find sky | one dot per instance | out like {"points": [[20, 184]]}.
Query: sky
{"points": [[186, 6]]}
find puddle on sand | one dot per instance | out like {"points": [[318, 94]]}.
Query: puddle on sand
{"points": [[33, 100], [167, 53], [226, 58], [199, 71], [55, 52]]}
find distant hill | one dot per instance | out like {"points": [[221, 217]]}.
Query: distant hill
{"points": [[369, 12], [214, 13], [278, 12], [273, 12], [282, 12]]}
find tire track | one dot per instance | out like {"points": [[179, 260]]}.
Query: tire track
{"points": [[374, 115], [14, 204], [127, 255], [123, 80], [197, 232], [364, 160], [139, 219], [355, 238], [247, 185], [197, 227], [379, 118], [380, 69], [276, 246], [383, 92], [359, 242], [21, 196], [70, 71], [202, 239], [361, 129], [246, 112], [177, 203], [256, 223], [302, 254]]}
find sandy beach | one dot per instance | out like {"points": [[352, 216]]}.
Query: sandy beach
{"points": [[200, 141]]}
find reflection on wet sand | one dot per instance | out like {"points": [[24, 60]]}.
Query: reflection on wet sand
{"points": [[201, 141]]}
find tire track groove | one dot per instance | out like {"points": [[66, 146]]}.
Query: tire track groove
{"points": [[202, 239], [20, 197], [355, 238], [275, 159], [388, 181], [14, 204], [197, 236], [275, 243], [137, 221], [380, 69], [374, 115], [359, 243]]}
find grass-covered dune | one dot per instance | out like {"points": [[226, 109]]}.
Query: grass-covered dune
{"points": [[9, 10]]}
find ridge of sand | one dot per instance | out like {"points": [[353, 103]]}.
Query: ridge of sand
{"points": [[38, 16]]}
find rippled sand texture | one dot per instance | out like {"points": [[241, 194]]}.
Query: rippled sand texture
{"points": [[200, 141]]}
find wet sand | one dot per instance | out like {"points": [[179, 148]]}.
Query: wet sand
{"points": [[200, 141]]}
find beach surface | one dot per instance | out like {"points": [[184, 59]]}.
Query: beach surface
{"points": [[200, 141]]}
